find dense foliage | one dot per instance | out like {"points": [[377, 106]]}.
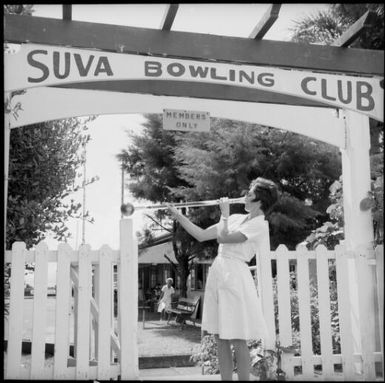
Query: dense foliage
{"points": [[43, 170]]}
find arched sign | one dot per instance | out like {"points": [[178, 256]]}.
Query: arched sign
{"points": [[41, 65]]}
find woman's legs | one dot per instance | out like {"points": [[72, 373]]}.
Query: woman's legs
{"points": [[225, 358], [242, 356]]}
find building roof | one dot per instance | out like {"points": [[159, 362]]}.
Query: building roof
{"points": [[156, 241], [155, 254]]}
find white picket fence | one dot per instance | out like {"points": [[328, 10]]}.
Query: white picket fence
{"points": [[366, 283], [108, 350]]}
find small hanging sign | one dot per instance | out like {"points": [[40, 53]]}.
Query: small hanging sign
{"points": [[186, 120]]}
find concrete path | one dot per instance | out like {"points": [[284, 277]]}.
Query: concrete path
{"points": [[181, 373]]}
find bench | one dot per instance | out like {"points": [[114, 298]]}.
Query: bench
{"points": [[186, 308]]}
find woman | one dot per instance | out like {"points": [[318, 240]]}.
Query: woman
{"points": [[232, 309], [166, 297]]}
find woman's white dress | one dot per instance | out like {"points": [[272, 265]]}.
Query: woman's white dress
{"points": [[232, 308], [165, 302]]}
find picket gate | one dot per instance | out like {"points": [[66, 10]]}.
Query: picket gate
{"points": [[106, 347]]}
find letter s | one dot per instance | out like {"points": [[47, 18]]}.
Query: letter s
{"points": [[37, 64]]}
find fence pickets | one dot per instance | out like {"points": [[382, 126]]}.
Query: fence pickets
{"points": [[104, 300], [284, 305], [39, 310], [83, 317], [16, 310], [303, 282], [324, 312], [265, 285], [367, 328], [62, 316], [95, 338], [343, 292]]}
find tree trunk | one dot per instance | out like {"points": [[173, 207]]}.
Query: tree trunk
{"points": [[182, 257], [183, 280]]}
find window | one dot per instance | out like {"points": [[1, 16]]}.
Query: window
{"points": [[199, 275]]}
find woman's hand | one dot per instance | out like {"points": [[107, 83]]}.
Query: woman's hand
{"points": [[173, 211], [225, 207]]}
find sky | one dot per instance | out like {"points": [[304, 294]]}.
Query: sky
{"points": [[108, 132]]}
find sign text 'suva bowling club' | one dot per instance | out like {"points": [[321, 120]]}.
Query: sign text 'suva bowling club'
{"points": [[36, 65]]}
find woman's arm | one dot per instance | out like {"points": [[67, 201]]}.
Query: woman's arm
{"points": [[197, 232], [224, 236], [218, 231]]}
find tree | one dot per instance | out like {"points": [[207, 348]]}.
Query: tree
{"points": [[43, 163], [173, 166], [325, 27]]}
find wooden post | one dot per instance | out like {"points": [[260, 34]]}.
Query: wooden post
{"points": [[128, 301], [16, 307], [380, 297], [356, 181], [358, 224], [7, 138]]}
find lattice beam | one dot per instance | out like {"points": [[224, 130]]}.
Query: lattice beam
{"points": [[355, 30], [169, 17], [67, 11], [266, 22]]}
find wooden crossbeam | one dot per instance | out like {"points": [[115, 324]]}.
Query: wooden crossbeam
{"points": [[188, 89], [266, 22], [355, 30], [145, 41], [67, 11], [169, 17]]}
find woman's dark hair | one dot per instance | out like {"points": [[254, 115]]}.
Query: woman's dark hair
{"points": [[265, 191]]}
